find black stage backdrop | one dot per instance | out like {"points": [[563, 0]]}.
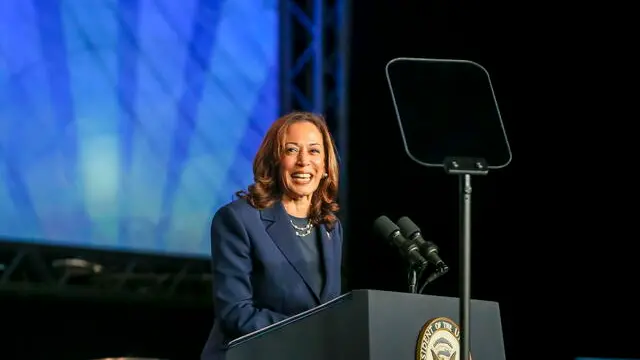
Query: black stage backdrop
{"points": [[552, 234], [384, 181]]}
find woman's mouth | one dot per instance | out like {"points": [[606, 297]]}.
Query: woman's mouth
{"points": [[301, 177]]}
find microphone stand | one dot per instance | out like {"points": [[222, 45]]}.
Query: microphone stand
{"points": [[413, 279], [414, 273], [465, 168], [440, 270]]}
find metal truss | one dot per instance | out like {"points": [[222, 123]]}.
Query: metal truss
{"points": [[314, 43], [28, 269]]}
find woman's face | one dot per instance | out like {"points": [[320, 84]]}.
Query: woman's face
{"points": [[302, 165]]}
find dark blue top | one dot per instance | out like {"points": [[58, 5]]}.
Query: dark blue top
{"points": [[263, 272]]}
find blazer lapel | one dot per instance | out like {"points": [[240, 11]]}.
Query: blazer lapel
{"points": [[327, 256], [282, 234]]}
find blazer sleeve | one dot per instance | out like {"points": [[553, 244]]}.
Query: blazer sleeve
{"points": [[232, 265]]}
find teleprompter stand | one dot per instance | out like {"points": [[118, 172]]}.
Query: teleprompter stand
{"points": [[464, 168], [449, 118]]}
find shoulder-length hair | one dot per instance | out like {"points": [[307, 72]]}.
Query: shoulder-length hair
{"points": [[267, 188]]}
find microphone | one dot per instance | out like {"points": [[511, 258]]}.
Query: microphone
{"points": [[428, 249], [384, 227]]}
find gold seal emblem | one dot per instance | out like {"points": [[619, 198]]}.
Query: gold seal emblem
{"points": [[439, 339]]}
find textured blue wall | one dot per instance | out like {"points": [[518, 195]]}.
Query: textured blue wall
{"points": [[126, 124]]}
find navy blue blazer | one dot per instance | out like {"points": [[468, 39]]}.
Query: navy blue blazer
{"points": [[259, 277]]}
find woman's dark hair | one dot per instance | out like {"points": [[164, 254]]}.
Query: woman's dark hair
{"points": [[267, 189]]}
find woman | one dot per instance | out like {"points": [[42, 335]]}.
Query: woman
{"points": [[277, 250]]}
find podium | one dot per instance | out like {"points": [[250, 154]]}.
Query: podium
{"points": [[372, 325]]}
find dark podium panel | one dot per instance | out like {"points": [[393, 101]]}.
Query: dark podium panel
{"points": [[369, 325]]}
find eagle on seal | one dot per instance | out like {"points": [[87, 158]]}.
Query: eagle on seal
{"points": [[442, 357]]}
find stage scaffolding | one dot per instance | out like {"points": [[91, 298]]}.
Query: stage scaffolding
{"points": [[314, 44], [28, 269]]}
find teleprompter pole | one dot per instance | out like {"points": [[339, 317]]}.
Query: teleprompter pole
{"points": [[464, 168]]}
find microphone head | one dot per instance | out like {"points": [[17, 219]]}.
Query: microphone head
{"points": [[383, 226], [407, 226]]}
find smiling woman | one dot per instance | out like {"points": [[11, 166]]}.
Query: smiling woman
{"points": [[302, 166], [297, 144], [277, 250]]}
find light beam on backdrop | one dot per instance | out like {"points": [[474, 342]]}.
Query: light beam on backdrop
{"points": [[126, 124]]}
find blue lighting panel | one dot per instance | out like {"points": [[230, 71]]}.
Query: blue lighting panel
{"points": [[125, 124]]}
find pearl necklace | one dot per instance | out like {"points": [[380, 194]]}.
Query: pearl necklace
{"points": [[302, 231]]}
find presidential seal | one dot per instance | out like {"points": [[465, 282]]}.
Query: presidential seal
{"points": [[439, 339]]}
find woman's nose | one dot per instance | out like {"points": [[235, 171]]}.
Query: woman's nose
{"points": [[303, 158]]}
